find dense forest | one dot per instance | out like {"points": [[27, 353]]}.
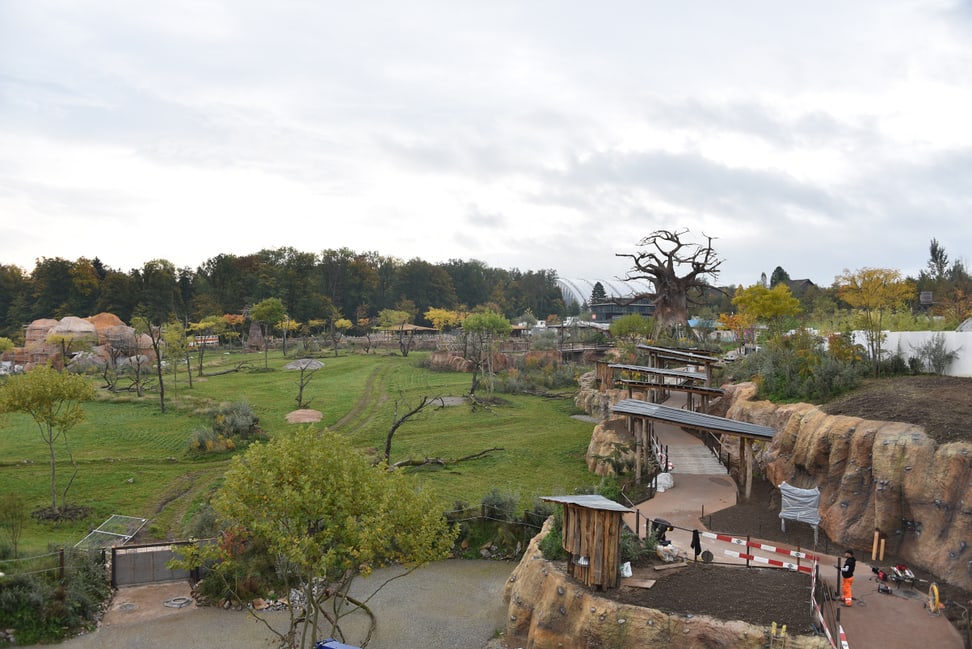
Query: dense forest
{"points": [[344, 284], [333, 284]]}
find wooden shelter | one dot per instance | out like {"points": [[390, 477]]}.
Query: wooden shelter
{"points": [[592, 538], [668, 370], [641, 417]]}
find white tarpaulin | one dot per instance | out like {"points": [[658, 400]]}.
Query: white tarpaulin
{"points": [[801, 505]]}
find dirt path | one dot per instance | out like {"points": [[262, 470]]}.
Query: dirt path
{"points": [[447, 605]]}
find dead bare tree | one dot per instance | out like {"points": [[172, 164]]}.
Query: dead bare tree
{"points": [[663, 256], [397, 422]]}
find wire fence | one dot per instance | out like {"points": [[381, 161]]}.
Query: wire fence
{"points": [[50, 563]]}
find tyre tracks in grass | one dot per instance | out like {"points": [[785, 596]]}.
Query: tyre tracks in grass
{"points": [[367, 407]]}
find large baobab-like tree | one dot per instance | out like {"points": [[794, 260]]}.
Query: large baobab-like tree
{"points": [[679, 270]]}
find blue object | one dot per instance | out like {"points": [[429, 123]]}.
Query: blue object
{"points": [[331, 643]]}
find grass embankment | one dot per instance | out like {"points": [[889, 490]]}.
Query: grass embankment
{"points": [[135, 461]]}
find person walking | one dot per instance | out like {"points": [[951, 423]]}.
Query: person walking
{"points": [[847, 577]]}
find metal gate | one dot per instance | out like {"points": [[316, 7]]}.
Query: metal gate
{"points": [[144, 564]]}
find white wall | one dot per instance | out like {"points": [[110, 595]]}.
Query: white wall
{"points": [[905, 342]]}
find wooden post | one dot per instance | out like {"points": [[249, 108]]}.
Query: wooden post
{"points": [[874, 546], [748, 445], [881, 551], [639, 448]]}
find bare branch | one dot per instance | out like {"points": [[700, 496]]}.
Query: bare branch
{"points": [[442, 461]]}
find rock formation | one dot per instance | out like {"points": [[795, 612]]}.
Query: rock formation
{"points": [[548, 610], [872, 475]]}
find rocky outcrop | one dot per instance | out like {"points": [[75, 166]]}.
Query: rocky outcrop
{"points": [[872, 475], [549, 610]]}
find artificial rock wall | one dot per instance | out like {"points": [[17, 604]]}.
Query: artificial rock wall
{"points": [[549, 610], [872, 475]]}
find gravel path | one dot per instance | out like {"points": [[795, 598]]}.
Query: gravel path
{"points": [[446, 605]]}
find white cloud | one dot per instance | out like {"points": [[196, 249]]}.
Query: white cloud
{"points": [[536, 135]]}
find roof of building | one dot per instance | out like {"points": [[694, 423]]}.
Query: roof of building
{"points": [[678, 354], [659, 371], [590, 501], [689, 419]]}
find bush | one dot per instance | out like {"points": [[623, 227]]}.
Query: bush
{"points": [[202, 524], [236, 420], [933, 355], [552, 545], [499, 507], [797, 367], [230, 422], [42, 609], [634, 549]]}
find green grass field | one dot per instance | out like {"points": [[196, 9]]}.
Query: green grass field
{"points": [[135, 461]]}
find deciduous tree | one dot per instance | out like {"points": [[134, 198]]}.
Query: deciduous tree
{"points": [[212, 325], [773, 306], [630, 329], [874, 292], [326, 515], [269, 313], [678, 270], [53, 400], [483, 330]]}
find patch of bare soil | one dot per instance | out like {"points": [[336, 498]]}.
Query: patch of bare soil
{"points": [[941, 404], [758, 596]]}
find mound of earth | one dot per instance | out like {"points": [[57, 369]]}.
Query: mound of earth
{"points": [[940, 404]]}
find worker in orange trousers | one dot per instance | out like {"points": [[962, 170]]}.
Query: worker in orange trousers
{"points": [[847, 577]]}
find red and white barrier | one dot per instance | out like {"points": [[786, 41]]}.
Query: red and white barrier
{"points": [[770, 562], [760, 546]]}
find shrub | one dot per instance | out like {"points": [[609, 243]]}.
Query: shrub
{"points": [[202, 524], [798, 367], [236, 420], [42, 609], [633, 549], [230, 422], [552, 545], [498, 506], [934, 355]]}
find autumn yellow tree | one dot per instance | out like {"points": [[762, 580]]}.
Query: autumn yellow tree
{"points": [[772, 306], [443, 319], [738, 323], [874, 292]]}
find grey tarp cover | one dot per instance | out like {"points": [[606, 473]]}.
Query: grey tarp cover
{"points": [[801, 505]]}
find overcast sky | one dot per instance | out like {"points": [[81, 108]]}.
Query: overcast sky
{"points": [[816, 136]]}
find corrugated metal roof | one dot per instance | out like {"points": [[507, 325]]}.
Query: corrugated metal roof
{"points": [[691, 419], [678, 354], [688, 374], [591, 501]]}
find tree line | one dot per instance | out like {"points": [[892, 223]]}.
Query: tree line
{"points": [[331, 285]]}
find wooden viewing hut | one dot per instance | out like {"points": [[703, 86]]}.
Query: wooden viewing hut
{"points": [[592, 538], [641, 417]]}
